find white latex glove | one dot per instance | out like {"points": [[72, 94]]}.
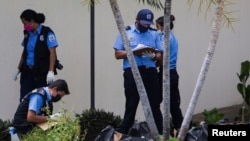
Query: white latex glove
{"points": [[55, 116], [149, 54], [16, 74], [50, 77]]}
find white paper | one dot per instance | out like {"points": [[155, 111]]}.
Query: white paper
{"points": [[140, 46]]}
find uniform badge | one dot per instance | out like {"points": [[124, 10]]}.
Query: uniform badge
{"points": [[131, 38], [41, 38], [149, 17], [52, 38]]}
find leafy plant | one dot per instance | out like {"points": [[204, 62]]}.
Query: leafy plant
{"points": [[243, 88], [173, 139], [92, 121], [212, 116], [4, 130], [170, 139], [66, 129]]}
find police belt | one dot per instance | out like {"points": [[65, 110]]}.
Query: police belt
{"points": [[141, 67]]}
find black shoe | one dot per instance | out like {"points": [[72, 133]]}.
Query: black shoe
{"points": [[121, 130]]}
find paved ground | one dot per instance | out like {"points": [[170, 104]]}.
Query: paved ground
{"points": [[230, 113]]}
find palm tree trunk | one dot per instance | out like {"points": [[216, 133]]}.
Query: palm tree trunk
{"points": [[166, 73], [135, 71], [205, 66]]}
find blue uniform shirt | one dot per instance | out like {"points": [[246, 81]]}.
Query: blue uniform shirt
{"points": [[37, 101], [149, 38], [51, 42], [173, 48]]}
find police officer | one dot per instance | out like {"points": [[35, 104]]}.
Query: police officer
{"points": [[37, 63], [175, 99], [141, 34], [32, 108]]}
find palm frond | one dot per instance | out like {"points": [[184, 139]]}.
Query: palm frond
{"points": [[227, 15], [89, 2], [154, 3]]}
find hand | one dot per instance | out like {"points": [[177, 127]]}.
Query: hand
{"points": [[149, 54], [50, 77], [55, 116], [139, 49], [16, 74]]}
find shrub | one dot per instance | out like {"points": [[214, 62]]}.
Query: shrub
{"points": [[66, 129], [212, 116], [244, 89], [92, 121], [4, 130]]}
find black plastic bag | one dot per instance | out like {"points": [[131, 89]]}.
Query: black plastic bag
{"points": [[129, 138], [141, 130], [106, 134], [197, 133]]}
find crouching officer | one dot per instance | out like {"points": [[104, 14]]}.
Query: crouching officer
{"points": [[32, 108]]}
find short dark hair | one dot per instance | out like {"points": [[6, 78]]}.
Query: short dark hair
{"points": [[29, 15], [160, 21], [61, 86]]}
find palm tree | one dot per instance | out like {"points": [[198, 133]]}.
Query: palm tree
{"points": [[205, 66], [166, 73], [135, 71]]}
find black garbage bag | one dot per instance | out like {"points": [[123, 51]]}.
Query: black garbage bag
{"points": [[197, 133], [106, 134], [140, 129], [129, 138], [139, 132]]}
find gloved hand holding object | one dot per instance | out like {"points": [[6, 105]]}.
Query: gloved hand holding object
{"points": [[50, 77], [56, 116], [139, 49], [149, 54], [16, 74]]}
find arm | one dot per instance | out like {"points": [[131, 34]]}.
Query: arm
{"points": [[33, 117], [21, 61], [52, 58], [18, 67], [52, 44], [120, 54], [35, 105], [159, 57]]}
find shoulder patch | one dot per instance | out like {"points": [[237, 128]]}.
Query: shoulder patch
{"points": [[128, 28], [51, 37]]}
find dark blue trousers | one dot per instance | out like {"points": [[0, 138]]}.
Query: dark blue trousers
{"points": [[175, 99], [29, 81], [151, 84]]}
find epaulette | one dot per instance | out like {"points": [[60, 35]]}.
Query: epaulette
{"points": [[128, 28], [152, 29]]}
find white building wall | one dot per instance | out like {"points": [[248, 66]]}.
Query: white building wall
{"points": [[70, 21]]}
